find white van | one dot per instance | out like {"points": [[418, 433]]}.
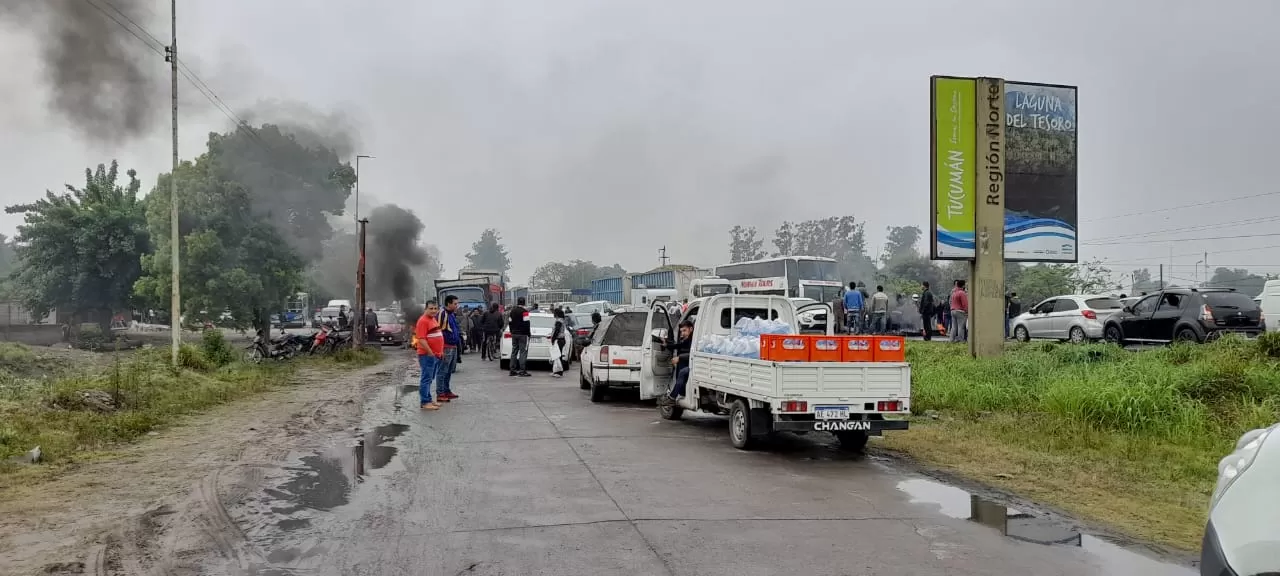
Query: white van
{"points": [[1270, 304]]}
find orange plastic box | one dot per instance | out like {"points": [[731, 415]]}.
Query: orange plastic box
{"points": [[784, 347], [825, 348], [890, 349], [856, 349]]}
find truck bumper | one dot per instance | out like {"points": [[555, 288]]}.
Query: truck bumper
{"points": [[872, 427]]}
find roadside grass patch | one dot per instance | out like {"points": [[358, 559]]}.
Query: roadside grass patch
{"points": [[1128, 438], [366, 356]]}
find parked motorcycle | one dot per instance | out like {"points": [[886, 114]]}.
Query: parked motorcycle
{"points": [[265, 348]]}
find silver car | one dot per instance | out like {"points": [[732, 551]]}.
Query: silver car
{"points": [[1073, 318], [1241, 536]]}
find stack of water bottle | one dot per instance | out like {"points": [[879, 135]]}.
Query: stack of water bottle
{"points": [[744, 341]]}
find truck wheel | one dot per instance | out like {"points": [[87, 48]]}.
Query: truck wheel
{"points": [[670, 411], [740, 426], [583, 383], [852, 441], [599, 391], [504, 364]]}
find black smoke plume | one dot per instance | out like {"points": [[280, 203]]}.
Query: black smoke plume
{"points": [[105, 81], [392, 253]]}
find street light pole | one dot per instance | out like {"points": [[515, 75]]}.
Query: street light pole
{"points": [[175, 298], [358, 254]]}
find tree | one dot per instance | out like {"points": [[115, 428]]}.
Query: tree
{"points": [[784, 240], [575, 274], [1091, 277], [906, 273], [1035, 283], [488, 253], [902, 242], [79, 252], [745, 244], [1240, 279]]}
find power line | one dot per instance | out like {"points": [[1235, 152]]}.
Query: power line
{"points": [[158, 50], [1181, 207], [1198, 227], [1169, 240]]}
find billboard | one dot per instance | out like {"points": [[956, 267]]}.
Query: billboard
{"points": [[1041, 207]]}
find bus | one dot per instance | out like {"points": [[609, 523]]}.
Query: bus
{"points": [[790, 276]]}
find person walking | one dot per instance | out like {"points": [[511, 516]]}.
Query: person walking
{"points": [[370, 327], [837, 316], [519, 323], [557, 343], [927, 311], [475, 338], [959, 313], [1012, 308], [879, 310], [429, 342], [492, 326], [452, 343], [853, 302]]}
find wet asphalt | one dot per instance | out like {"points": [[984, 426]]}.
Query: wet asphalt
{"points": [[524, 476]]}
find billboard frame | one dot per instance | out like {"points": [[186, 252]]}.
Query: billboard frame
{"points": [[933, 171]]}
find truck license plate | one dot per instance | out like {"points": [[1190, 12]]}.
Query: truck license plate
{"points": [[831, 412]]}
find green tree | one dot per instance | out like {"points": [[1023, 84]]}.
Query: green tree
{"points": [[1041, 281], [784, 240], [1091, 277], [1240, 279], [902, 242], [79, 252], [745, 244], [488, 253], [575, 274]]}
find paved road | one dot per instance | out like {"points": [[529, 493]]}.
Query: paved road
{"points": [[527, 476]]}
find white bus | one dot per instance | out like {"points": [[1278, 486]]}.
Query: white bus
{"points": [[790, 276]]}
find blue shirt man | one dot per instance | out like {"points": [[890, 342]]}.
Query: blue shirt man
{"points": [[853, 303], [452, 340]]}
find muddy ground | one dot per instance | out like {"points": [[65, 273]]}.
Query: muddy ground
{"points": [[145, 508]]}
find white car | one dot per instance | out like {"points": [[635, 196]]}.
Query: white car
{"points": [[540, 325], [1241, 536], [612, 358], [812, 319], [1073, 318]]}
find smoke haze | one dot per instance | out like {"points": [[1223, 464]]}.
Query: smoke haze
{"points": [[105, 83], [393, 253]]}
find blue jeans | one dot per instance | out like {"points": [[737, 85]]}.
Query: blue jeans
{"points": [[444, 372], [853, 319], [682, 381], [427, 368]]}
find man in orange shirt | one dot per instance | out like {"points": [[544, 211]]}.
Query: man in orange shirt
{"points": [[430, 344]]}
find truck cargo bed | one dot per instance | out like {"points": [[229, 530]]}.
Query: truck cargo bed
{"points": [[767, 380]]}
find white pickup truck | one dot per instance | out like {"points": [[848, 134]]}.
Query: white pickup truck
{"points": [[612, 358], [852, 400]]}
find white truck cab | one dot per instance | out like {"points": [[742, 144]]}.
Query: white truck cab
{"points": [[852, 400]]}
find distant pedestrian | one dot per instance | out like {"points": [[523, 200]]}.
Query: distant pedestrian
{"points": [[927, 311], [429, 342], [879, 311], [558, 332], [1012, 308], [519, 325], [370, 326], [492, 325], [475, 338], [837, 315], [448, 320], [853, 303], [959, 313]]}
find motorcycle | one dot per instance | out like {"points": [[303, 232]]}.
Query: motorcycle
{"points": [[329, 339], [264, 347]]}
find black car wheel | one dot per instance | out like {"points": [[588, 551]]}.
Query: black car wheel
{"points": [[1113, 335], [1187, 334]]}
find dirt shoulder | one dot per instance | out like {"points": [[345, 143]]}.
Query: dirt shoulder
{"points": [[138, 509]]}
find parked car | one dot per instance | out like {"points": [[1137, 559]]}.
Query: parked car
{"points": [[540, 326], [391, 329], [1073, 318], [581, 328], [1240, 537], [1269, 302], [1189, 314], [612, 357]]}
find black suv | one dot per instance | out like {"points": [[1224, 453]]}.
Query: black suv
{"points": [[1190, 314]]}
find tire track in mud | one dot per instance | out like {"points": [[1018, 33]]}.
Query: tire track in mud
{"points": [[178, 538]]}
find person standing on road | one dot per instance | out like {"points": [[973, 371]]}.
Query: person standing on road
{"points": [[879, 311], [959, 313], [370, 326], [452, 343], [853, 303], [837, 316], [1012, 308], [927, 311], [477, 329], [492, 325], [519, 324], [557, 342], [429, 342]]}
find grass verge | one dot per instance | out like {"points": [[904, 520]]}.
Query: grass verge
{"points": [[78, 416], [1130, 440]]}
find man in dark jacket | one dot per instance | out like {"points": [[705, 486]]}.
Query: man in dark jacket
{"points": [[519, 338], [370, 326], [452, 343], [492, 324], [928, 309], [680, 359]]}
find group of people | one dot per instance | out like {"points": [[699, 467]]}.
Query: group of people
{"points": [[869, 313], [437, 338], [483, 328]]}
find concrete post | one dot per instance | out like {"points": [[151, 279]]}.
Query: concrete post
{"points": [[986, 288]]}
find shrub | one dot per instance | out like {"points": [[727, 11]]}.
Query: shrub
{"points": [[215, 348], [191, 358], [1269, 344]]}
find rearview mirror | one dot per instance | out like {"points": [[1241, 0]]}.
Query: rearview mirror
{"points": [[1128, 309]]}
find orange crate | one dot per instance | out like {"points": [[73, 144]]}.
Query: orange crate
{"points": [[825, 348], [856, 349], [784, 347], [890, 349]]}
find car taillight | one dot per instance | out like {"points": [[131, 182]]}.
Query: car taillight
{"points": [[889, 406], [1090, 314], [604, 354], [795, 406], [1205, 313], [583, 331], [506, 335]]}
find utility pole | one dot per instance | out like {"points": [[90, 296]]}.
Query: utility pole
{"points": [[1162, 276], [1206, 268], [359, 332], [662, 256], [359, 248], [175, 300]]}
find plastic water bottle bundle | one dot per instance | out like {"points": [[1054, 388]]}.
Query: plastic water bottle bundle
{"points": [[744, 341]]}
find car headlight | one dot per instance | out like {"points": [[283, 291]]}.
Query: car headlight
{"points": [[1237, 462]]}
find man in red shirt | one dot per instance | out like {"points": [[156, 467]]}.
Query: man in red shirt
{"points": [[430, 344], [959, 313]]}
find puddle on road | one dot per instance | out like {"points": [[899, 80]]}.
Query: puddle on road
{"points": [[1024, 527], [324, 480]]}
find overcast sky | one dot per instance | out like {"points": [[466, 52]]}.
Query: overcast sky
{"points": [[603, 130]]}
